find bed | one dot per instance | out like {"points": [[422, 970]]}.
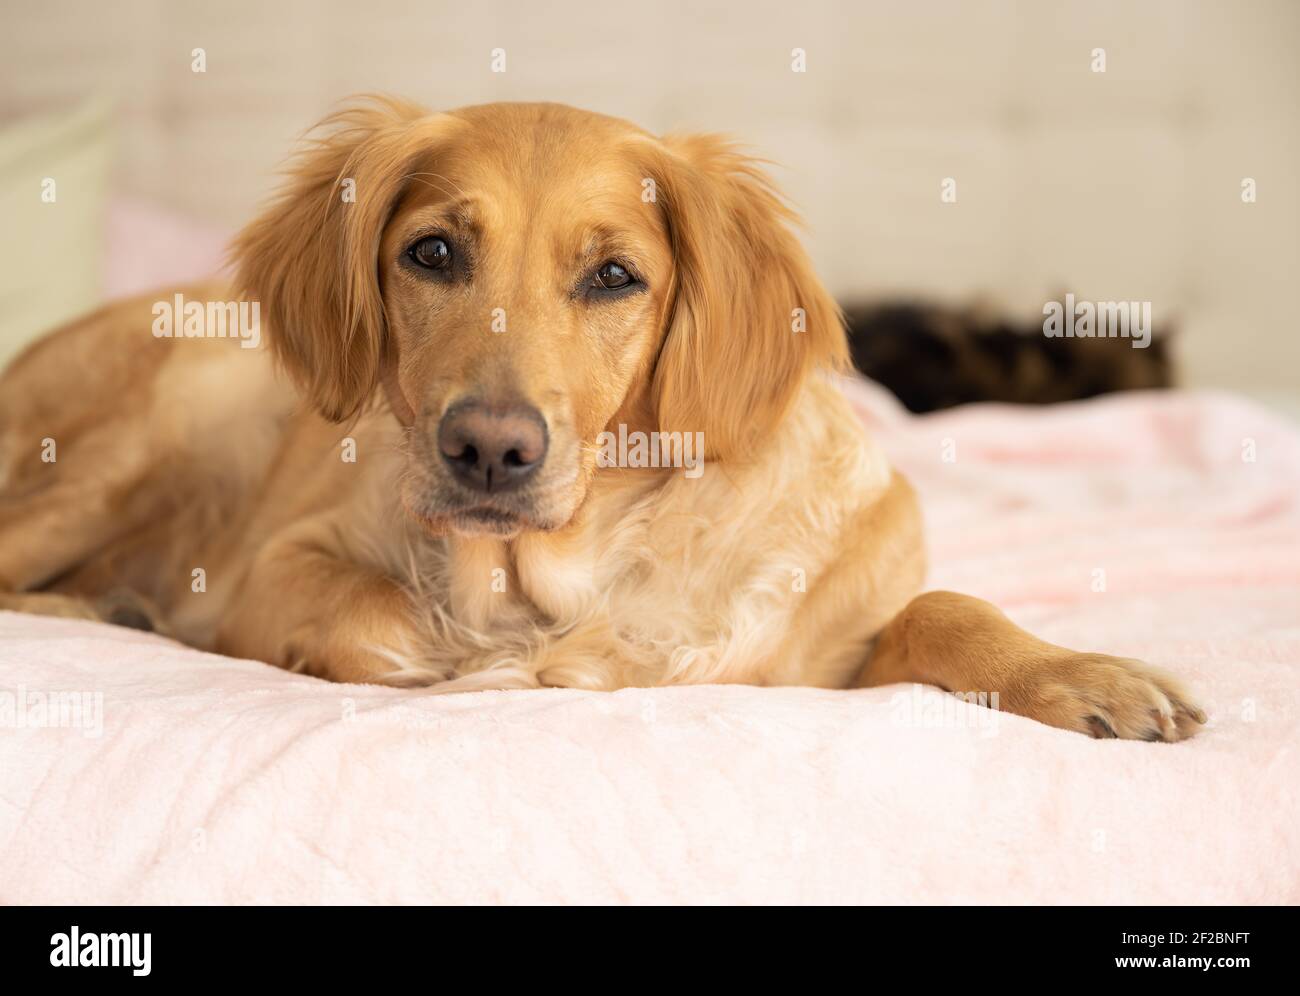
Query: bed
{"points": [[1163, 526]]}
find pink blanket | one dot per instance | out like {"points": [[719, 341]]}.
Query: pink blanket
{"points": [[1158, 526]]}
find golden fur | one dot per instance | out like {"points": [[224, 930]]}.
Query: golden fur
{"points": [[794, 553]]}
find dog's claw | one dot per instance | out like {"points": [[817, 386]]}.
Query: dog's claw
{"points": [[1101, 730]]}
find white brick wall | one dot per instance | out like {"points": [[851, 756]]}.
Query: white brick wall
{"points": [[1123, 184]]}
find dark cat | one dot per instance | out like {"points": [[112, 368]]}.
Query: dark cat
{"points": [[935, 357]]}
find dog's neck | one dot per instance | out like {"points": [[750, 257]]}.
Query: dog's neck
{"points": [[556, 572]]}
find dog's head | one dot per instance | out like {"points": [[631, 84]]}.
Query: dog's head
{"points": [[518, 279]]}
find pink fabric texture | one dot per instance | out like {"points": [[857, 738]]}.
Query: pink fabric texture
{"points": [[151, 248], [216, 780]]}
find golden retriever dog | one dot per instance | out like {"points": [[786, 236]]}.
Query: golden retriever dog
{"points": [[540, 399]]}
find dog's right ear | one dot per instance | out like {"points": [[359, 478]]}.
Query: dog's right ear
{"points": [[311, 259]]}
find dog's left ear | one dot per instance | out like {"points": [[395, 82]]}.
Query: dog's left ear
{"points": [[750, 320]]}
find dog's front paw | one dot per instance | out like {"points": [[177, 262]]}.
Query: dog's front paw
{"points": [[1106, 697]]}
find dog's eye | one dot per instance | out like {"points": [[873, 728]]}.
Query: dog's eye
{"points": [[432, 253], [611, 276]]}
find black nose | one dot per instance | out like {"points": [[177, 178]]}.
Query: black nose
{"points": [[489, 448]]}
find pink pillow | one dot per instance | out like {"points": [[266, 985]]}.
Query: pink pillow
{"points": [[150, 247]]}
